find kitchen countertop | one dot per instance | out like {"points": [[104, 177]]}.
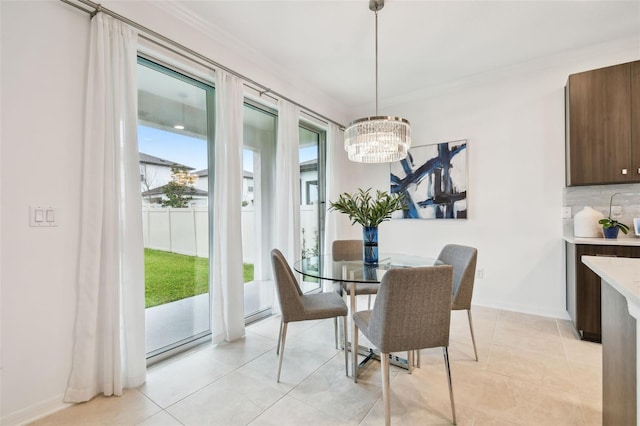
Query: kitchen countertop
{"points": [[621, 273], [625, 240]]}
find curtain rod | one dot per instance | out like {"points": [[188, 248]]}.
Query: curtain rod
{"points": [[262, 89]]}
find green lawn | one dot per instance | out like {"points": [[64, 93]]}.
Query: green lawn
{"points": [[170, 277]]}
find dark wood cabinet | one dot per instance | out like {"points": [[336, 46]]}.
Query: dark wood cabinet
{"points": [[602, 124], [583, 286], [635, 114]]}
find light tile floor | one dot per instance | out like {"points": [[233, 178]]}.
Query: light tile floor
{"points": [[532, 371]]}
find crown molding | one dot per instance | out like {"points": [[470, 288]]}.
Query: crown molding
{"points": [[222, 37], [247, 53], [567, 59]]}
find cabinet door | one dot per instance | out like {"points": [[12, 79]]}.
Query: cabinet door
{"points": [[589, 321], [635, 118], [599, 127], [588, 291]]}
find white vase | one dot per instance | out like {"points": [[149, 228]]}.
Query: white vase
{"points": [[585, 223]]}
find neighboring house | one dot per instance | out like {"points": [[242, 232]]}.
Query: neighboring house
{"points": [[247, 184], [247, 187], [155, 174], [203, 180], [155, 171], [309, 182]]}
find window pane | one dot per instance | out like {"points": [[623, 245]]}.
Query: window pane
{"points": [[258, 206], [173, 138], [311, 197]]}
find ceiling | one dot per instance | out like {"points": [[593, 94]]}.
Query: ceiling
{"points": [[329, 44]]}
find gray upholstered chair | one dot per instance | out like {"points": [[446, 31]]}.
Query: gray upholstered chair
{"points": [[352, 250], [463, 259], [296, 306], [412, 311]]}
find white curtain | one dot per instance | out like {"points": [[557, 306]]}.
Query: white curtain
{"points": [[227, 317], [109, 348], [335, 142], [287, 202]]}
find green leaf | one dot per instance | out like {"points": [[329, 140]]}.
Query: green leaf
{"points": [[365, 210]]}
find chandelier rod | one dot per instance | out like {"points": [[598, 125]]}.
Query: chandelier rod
{"points": [[376, 12]]}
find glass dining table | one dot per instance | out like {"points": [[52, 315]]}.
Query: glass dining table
{"points": [[352, 272]]}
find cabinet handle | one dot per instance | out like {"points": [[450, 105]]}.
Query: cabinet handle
{"points": [[624, 171]]}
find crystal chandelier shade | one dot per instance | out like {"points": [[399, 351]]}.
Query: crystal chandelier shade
{"points": [[377, 139]]}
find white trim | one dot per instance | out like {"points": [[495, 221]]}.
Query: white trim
{"points": [[36, 411], [488, 303]]}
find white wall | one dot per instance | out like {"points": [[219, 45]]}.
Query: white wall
{"points": [[43, 51], [513, 120], [44, 48]]}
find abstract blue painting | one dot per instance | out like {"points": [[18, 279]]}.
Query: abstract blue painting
{"points": [[433, 181]]}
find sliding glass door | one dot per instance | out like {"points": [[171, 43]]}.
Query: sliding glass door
{"points": [[175, 114], [260, 134], [175, 139], [257, 208], [312, 196]]}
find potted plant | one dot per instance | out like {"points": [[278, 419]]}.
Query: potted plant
{"points": [[364, 209], [610, 227]]}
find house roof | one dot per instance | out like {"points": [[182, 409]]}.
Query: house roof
{"points": [[150, 159], [309, 165], [205, 173]]}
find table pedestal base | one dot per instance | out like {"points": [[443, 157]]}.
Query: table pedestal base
{"points": [[371, 353]]}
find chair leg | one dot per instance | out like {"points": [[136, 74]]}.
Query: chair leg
{"points": [[410, 361], [473, 338], [354, 352], [384, 365], [344, 342], [284, 337], [279, 338], [369, 303], [446, 363], [418, 358], [336, 332]]}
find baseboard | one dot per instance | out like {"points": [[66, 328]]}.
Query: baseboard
{"points": [[559, 314], [35, 412]]}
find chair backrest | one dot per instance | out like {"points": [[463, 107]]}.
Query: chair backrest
{"points": [[347, 250], [289, 292], [463, 259], [412, 309]]}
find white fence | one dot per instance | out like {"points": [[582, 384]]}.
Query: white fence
{"points": [[186, 230]]}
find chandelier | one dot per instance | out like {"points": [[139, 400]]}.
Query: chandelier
{"points": [[377, 139]]}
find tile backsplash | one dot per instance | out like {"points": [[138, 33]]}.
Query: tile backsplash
{"points": [[598, 196]]}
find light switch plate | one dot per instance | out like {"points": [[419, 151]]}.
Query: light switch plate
{"points": [[43, 216], [566, 212]]}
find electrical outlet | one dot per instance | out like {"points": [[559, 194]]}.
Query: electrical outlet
{"points": [[566, 212], [480, 273], [616, 212]]}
